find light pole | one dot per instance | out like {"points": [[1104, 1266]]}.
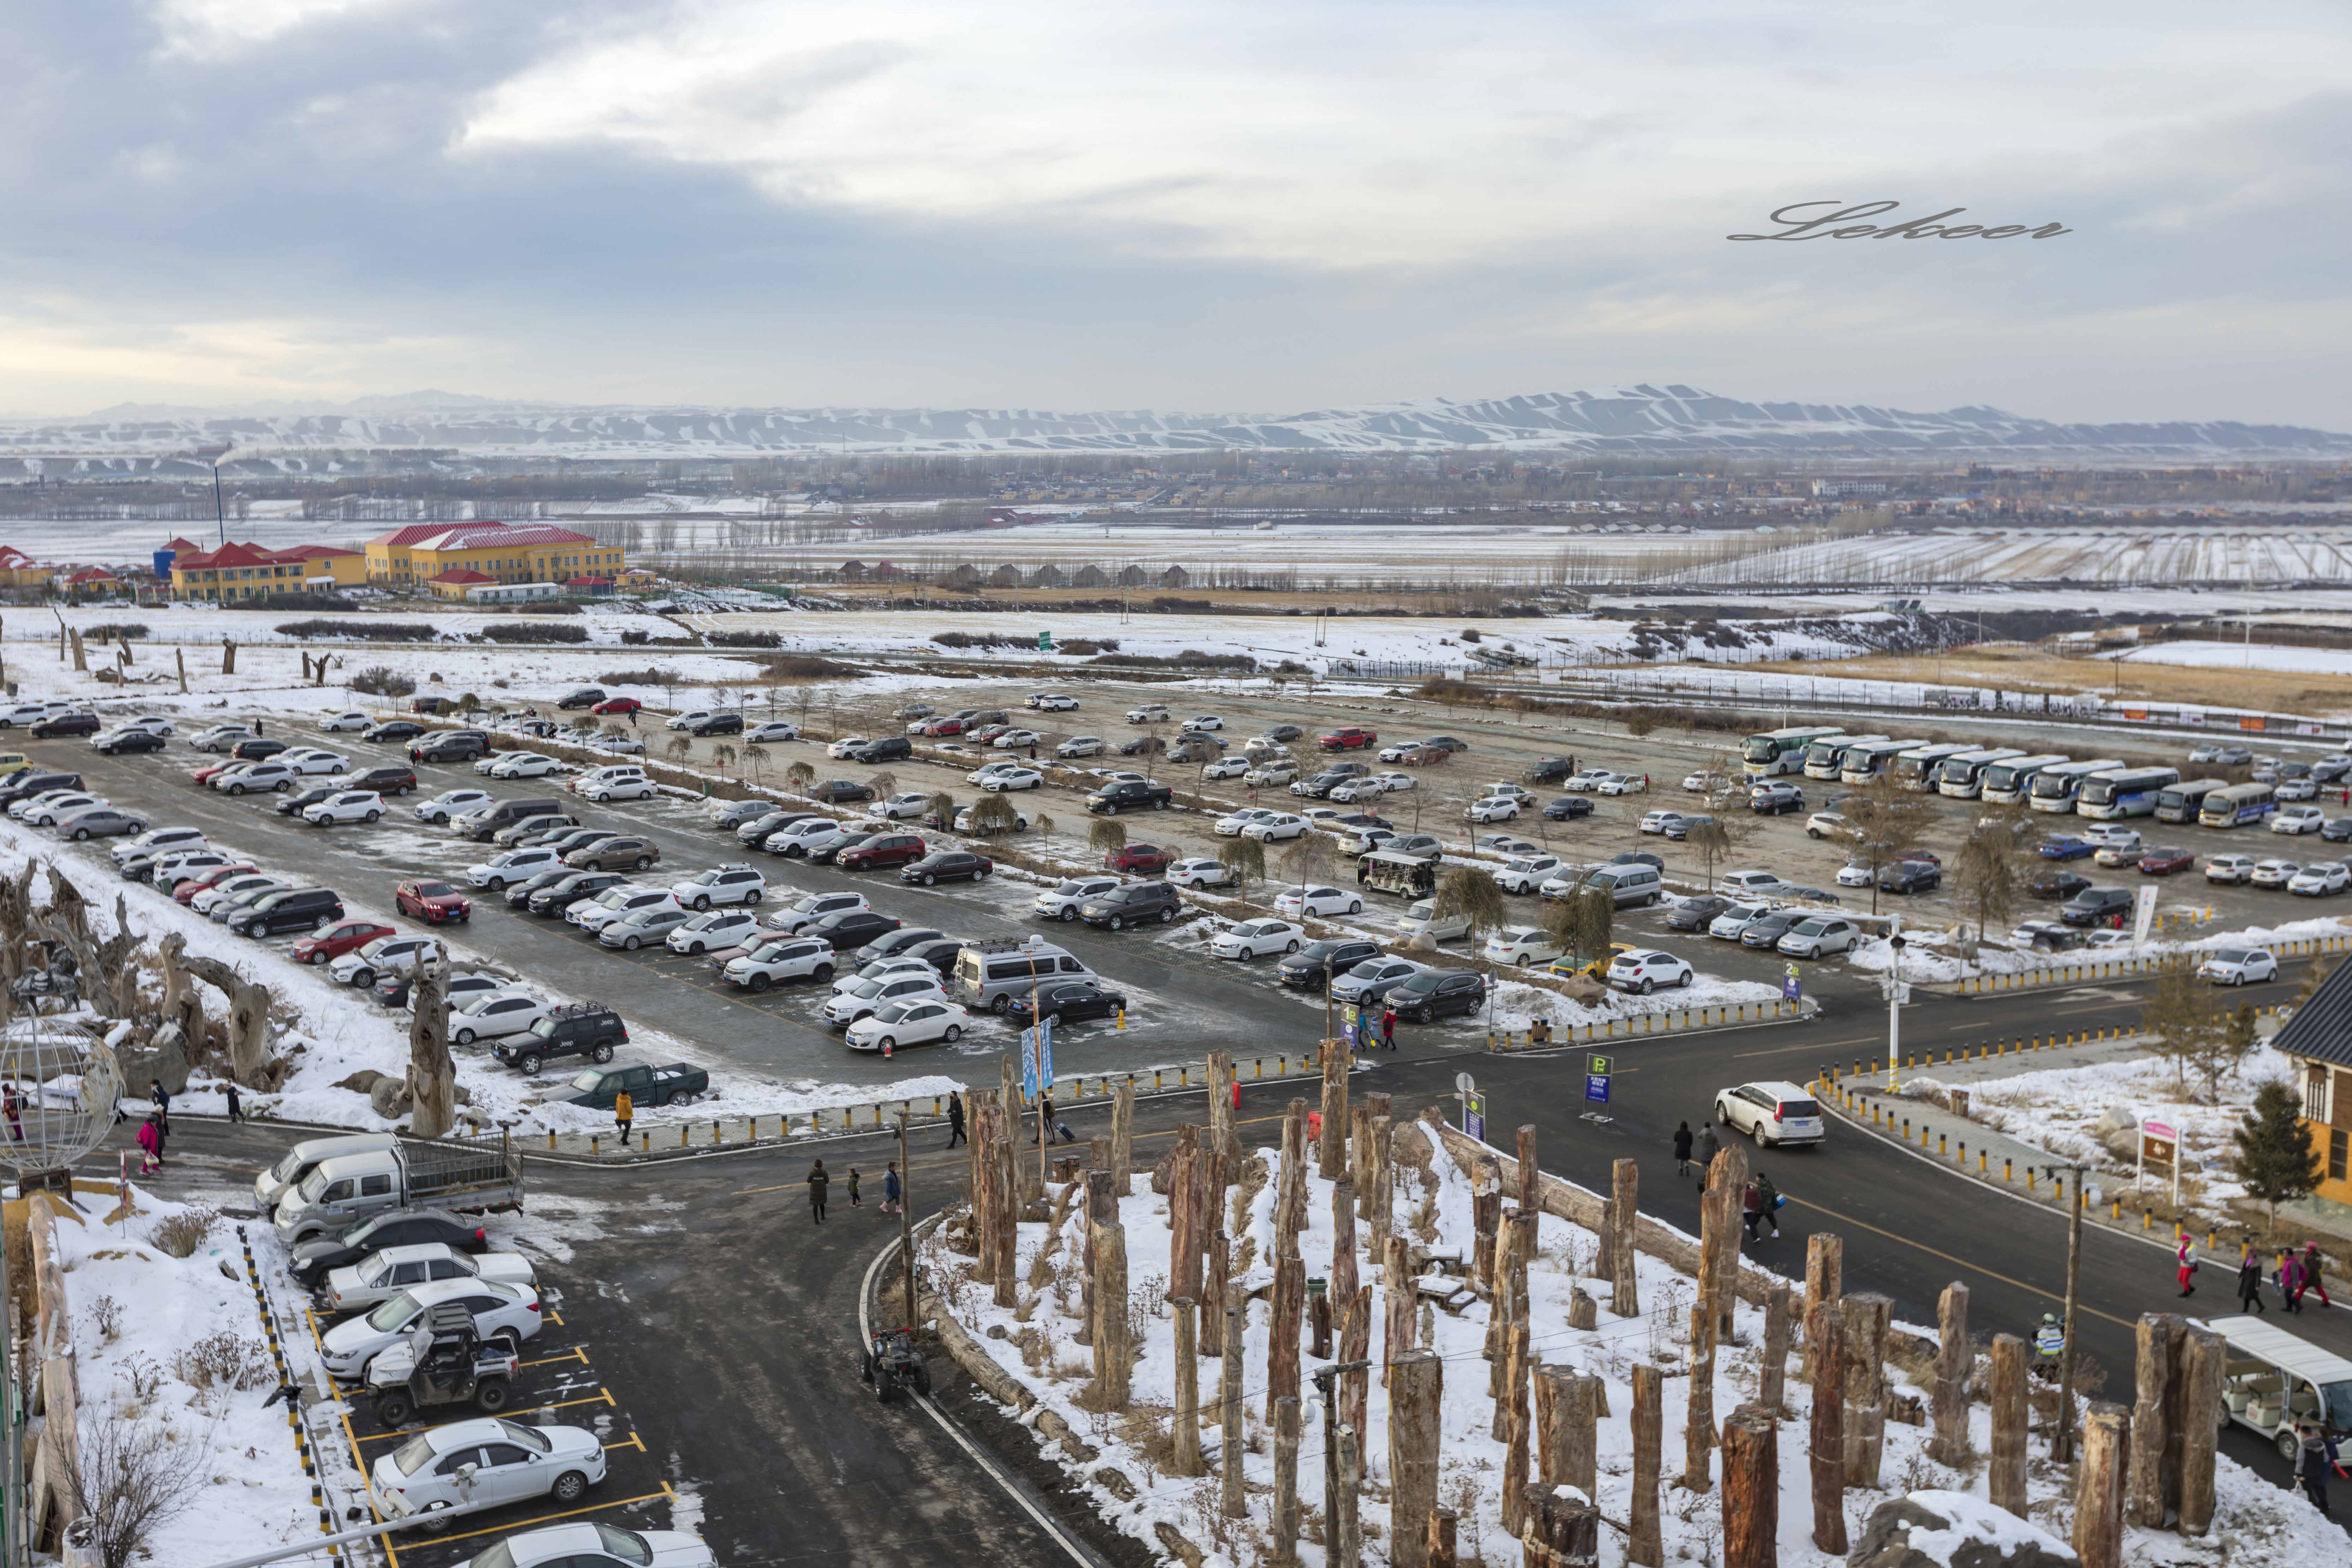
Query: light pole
{"points": [[1894, 1010], [2062, 1440]]}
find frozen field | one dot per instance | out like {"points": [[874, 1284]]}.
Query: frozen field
{"points": [[2237, 656], [2224, 553]]}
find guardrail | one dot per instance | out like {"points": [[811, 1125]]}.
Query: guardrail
{"points": [[2116, 968]]}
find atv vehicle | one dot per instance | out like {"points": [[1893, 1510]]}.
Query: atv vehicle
{"points": [[891, 1365], [445, 1362]]}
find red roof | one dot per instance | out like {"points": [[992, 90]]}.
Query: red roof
{"points": [[89, 574], [457, 574], [587, 582], [249, 554], [178, 544], [476, 535], [14, 560]]}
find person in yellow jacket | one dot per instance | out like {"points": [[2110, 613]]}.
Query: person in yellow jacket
{"points": [[624, 1112]]}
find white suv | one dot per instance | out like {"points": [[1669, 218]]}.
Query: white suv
{"points": [[351, 805], [729, 884], [450, 803], [1061, 902], [511, 867], [1527, 872], [592, 915], [2298, 819], [719, 928], [783, 958], [627, 781], [1773, 1113], [845, 1007], [810, 907]]}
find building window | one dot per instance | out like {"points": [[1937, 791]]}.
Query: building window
{"points": [[2315, 1093], [2338, 1142]]}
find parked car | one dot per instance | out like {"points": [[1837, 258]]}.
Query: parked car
{"points": [[1430, 995], [1818, 936], [2230, 868], [433, 902], [2297, 819], [841, 792], [2240, 966], [1255, 939], [1910, 877], [1371, 979], [2165, 860], [394, 954], [627, 852], [1643, 970], [1133, 903], [2273, 873], [1775, 799], [2096, 906], [100, 821], [1318, 903], [946, 865], [580, 1028], [2321, 879], [1200, 872], [510, 1312], [1349, 738]]}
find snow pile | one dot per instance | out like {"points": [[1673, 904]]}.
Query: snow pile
{"points": [[1975, 1521]]}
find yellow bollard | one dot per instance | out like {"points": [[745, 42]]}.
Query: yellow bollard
{"points": [[1258, 1066], [2006, 1174], [714, 1127], [1942, 1144], [1155, 1078], [681, 1134], [1183, 1077], [2208, 1241], [1981, 1162], [2145, 1220], [550, 1142], [593, 1150], [2029, 1178]]}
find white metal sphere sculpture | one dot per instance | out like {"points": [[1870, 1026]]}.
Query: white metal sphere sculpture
{"points": [[59, 1086]]}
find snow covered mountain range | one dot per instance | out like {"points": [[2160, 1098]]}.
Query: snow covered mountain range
{"points": [[1640, 419]]}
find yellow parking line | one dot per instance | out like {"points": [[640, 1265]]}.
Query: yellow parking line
{"points": [[555, 1317], [518, 1525], [631, 1441], [577, 1352]]}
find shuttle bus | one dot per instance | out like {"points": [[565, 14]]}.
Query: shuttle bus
{"points": [[2055, 786], [2183, 801], [2236, 806], [2123, 792], [1783, 751], [1916, 769], [1962, 776], [2005, 783], [1823, 757], [1862, 762]]}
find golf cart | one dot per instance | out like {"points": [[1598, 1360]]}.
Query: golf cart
{"points": [[443, 1362]]}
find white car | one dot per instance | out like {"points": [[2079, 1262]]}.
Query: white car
{"points": [[619, 745], [1643, 970], [511, 867], [1706, 783], [1622, 783], [1583, 781], [963, 823], [385, 955], [1828, 825], [782, 958], [2321, 878], [592, 915], [841, 750], [1421, 919], [346, 805], [987, 771], [1818, 936], [1854, 874], [1255, 939], [905, 805], [1525, 873], [1282, 825], [524, 766], [496, 1014], [44, 809], [451, 803], [1080, 746], [1226, 768], [386, 1272], [1205, 722], [349, 719], [1355, 792], [2273, 873], [468, 1465], [2298, 819], [1742, 884], [913, 1021], [1231, 827], [810, 907], [2239, 868], [2238, 967], [1150, 713], [1061, 901], [883, 968], [794, 838], [733, 883], [1318, 903], [774, 730], [211, 898], [1396, 784], [1199, 872], [687, 720], [501, 1311], [1728, 925], [1520, 946], [1054, 702], [1016, 778], [255, 777], [1773, 1113], [1268, 775], [598, 1545], [845, 1007], [2106, 832], [1493, 808], [219, 738], [1015, 739], [313, 760], [2120, 850], [719, 929], [2305, 788]]}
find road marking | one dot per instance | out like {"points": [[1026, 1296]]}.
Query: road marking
{"points": [[577, 1352], [631, 1441], [1958, 1262], [551, 1518]]}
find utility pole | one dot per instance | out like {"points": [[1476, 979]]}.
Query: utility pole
{"points": [[220, 512], [2062, 1441], [906, 1224], [1895, 1010]]}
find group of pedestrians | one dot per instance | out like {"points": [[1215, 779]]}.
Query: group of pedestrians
{"points": [[1759, 1201], [820, 1183], [2295, 1276]]}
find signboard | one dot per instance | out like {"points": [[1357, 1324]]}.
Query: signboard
{"points": [[1045, 642], [2249, 721], [1474, 1115], [1792, 984], [1596, 1080], [2144, 913], [2192, 716], [2159, 1141], [1037, 1058]]}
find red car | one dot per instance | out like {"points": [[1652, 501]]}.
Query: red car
{"points": [[1349, 739], [2164, 862], [431, 903], [883, 849], [942, 727], [203, 775], [192, 886], [343, 937], [1144, 858], [617, 705], [989, 731]]}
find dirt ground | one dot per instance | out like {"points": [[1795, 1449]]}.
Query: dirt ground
{"points": [[2037, 669]]}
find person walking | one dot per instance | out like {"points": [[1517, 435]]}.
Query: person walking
{"points": [[1683, 1150], [1387, 1027], [2288, 1278], [624, 1110], [854, 1202], [1770, 1206], [160, 1096], [13, 1105], [1751, 1209], [2315, 1274], [236, 1107], [1709, 1147], [893, 1190], [2184, 1256], [150, 1145], [817, 1182], [2315, 1459], [955, 1120], [2249, 1278]]}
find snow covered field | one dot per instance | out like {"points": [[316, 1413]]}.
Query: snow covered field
{"points": [[2242, 656]]}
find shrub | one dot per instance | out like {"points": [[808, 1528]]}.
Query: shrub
{"points": [[979, 639], [744, 639], [1471, 633], [646, 677], [296, 600], [227, 1360], [366, 631], [113, 631], [802, 666], [514, 632], [634, 639], [381, 680], [1084, 646], [180, 1234], [1189, 658], [545, 607]]}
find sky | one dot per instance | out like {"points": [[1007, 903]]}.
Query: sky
{"points": [[1210, 205]]}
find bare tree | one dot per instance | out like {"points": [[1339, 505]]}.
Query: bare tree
{"points": [[1109, 834], [2182, 1014], [1246, 858], [1308, 859], [991, 812], [1886, 819], [885, 783], [942, 809], [724, 755], [128, 1480], [678, 749], [1990, 878], [1470, 892], [799, 775], [1715, 838]]}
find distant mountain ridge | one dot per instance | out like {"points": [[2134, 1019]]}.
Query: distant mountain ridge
{"points": [[1636, 420]]}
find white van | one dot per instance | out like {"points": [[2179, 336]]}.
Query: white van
{"points": [[2271, 1380], [1629, 886], [299, 1161], [989, 974]]}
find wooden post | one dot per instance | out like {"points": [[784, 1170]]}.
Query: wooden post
{"points": [[1005, 1214], [1331, 1154], [2152, 1369], [1122, 1138], [179, 659], [1698, 1436], [1727, 1177], [1866, 1314], [1560, 1532], [983, 1221], [1290, 1299], [1416, 1393], [2175, 1396], [1220, 1274], [1221, 1106], [1184, 1204], [1485, 1213], [1186, 1461], [2099, 1486], [1355, 1345], [1290, 1183], [1825, 1333], [1551, 1381], [1102, 1208], [1369, 1109], [1442, 1552], [1583, 1313], [1824, 1283], [1345, 1272], [1575, 1449], [1344, 1530], [1382, 1205], [1949, 1445], [1751, 1488], [1515, 1423], [1113, 1359], [2006, 1477], [1397, 1284], [1229, 1404], [1772, 1388], [1286, 1479], [1530, 1173], [2203, 1361], [1624, 1283], [1508, 1310], [1360, 1142], [1644, 1546]]}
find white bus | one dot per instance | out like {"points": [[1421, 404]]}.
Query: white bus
{"points": [[1962, 775], [2123, 792], [2237, 805], [2005, 783], [1862, 762], [2183, 801], [1916, 769], [1826, 755], [1782, 751], [2055, 786]]}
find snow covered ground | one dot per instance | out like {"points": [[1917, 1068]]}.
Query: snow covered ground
{"points": [[2242, 656], [1924, 960]]}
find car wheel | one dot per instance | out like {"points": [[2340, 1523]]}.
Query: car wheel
{"points": [[394, 1410], [316, 959], [1425, 1015], [630, 944], [1166, 915], [1355, 905], [645, 862], [2290, 1444], [80, 833], [1523, 960], [602, 1054], [930, 881], [1158, 805], [364, 979], [760, 983], [530, 1064], [237, 789], [1684, 983], [1118, 922], [371, 816], [465, 1037], [570, 1487], [1648, 985], [955, 1033]]}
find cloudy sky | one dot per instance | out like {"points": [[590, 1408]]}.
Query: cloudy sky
{"points": [[1208, 205]]}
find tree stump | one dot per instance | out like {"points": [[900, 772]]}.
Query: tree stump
{"points": [[1824, 1270], [1530, 1173], [1219, 1274], [1644, 1545], [1184, 1206], [1286, 1479], [1006, 1214], [1866, 1313], [1222, 1140], [2152, 1369], [2099, 1486], [2203, 1359], [1826, 1331], [1331, 1153], [1114, 1360], [1122, 1139], [1485, 1216], [1751, 1488], [1346, 1532], [1583, 1313], [1397, 1285], [1560, 1532], [1772, 1387], [432, 1076], [1289, 1301], [1345, 1272], [1514, 1410], [1950, 1444], [1355, 1345], [1230, 1499], [1187, 1433], [2006, 1476], [1442, 1523], [1416, 1394], [1290, 1183], [1625, 1212]]}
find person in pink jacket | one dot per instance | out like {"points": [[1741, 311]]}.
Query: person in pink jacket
{"points": [[2185, 1257], [151, 1146]]}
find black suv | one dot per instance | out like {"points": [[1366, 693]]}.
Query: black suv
{"points": [[586, 697], [394, 730], [561, 894], [1132, 904], [1546, 770], [2096, 906], [390, 779], [295, 909], [888, 749], [582, 1029], [724, 724], [1434, 992], [65, 724], [1127, 794], [457, 746], [1306, 969], [849, 929]]}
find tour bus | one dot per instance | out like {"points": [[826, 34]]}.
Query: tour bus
{"points": [[1916, 769], [2237, 804], [1783, 751], [2055, 786], [1962, 775], [2123, 792], [2005, 783], [2183, 801], [1862, 762], [1826, 755]]}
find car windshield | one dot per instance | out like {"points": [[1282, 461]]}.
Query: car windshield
{"points": [[1427, 982], [434, 889], [392, 1313], [285, 1168], [626, 1545], [1809, 928], [2234, 955], [528, 1438], [544, 1028], [415, 1454], [893, 1012]]}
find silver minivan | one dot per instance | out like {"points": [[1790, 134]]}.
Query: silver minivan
{"points": [[990, 974], [1629, 886]]}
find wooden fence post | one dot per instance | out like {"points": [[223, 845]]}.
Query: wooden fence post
{"points": [[1184, 1215], [1290, 1183], [1416, 1394], [1289, 1301], [1113, 1359], [1949, 1445], [2152, 1369], [1122, 1138], [1221, 1106], [1824, 1269], [2099, 1486], [1560, 1532], [1286, 1479], [1772, 1389], [1229, 1404], [2007, 1475], [1866, 1313], [2203, 1359], [1624, 1283], [1751, 1488], [1397, 1288], [1355, 1345], [1486, 1215], [1219, 1274], [1644, 1545], [1825, 1335], [1331, 1154], [1442, 1550], [1512, 1408], [1381, 1210], [1187, 1460], [1346, 1531], [1345, 1275], [1531, 1172]]}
